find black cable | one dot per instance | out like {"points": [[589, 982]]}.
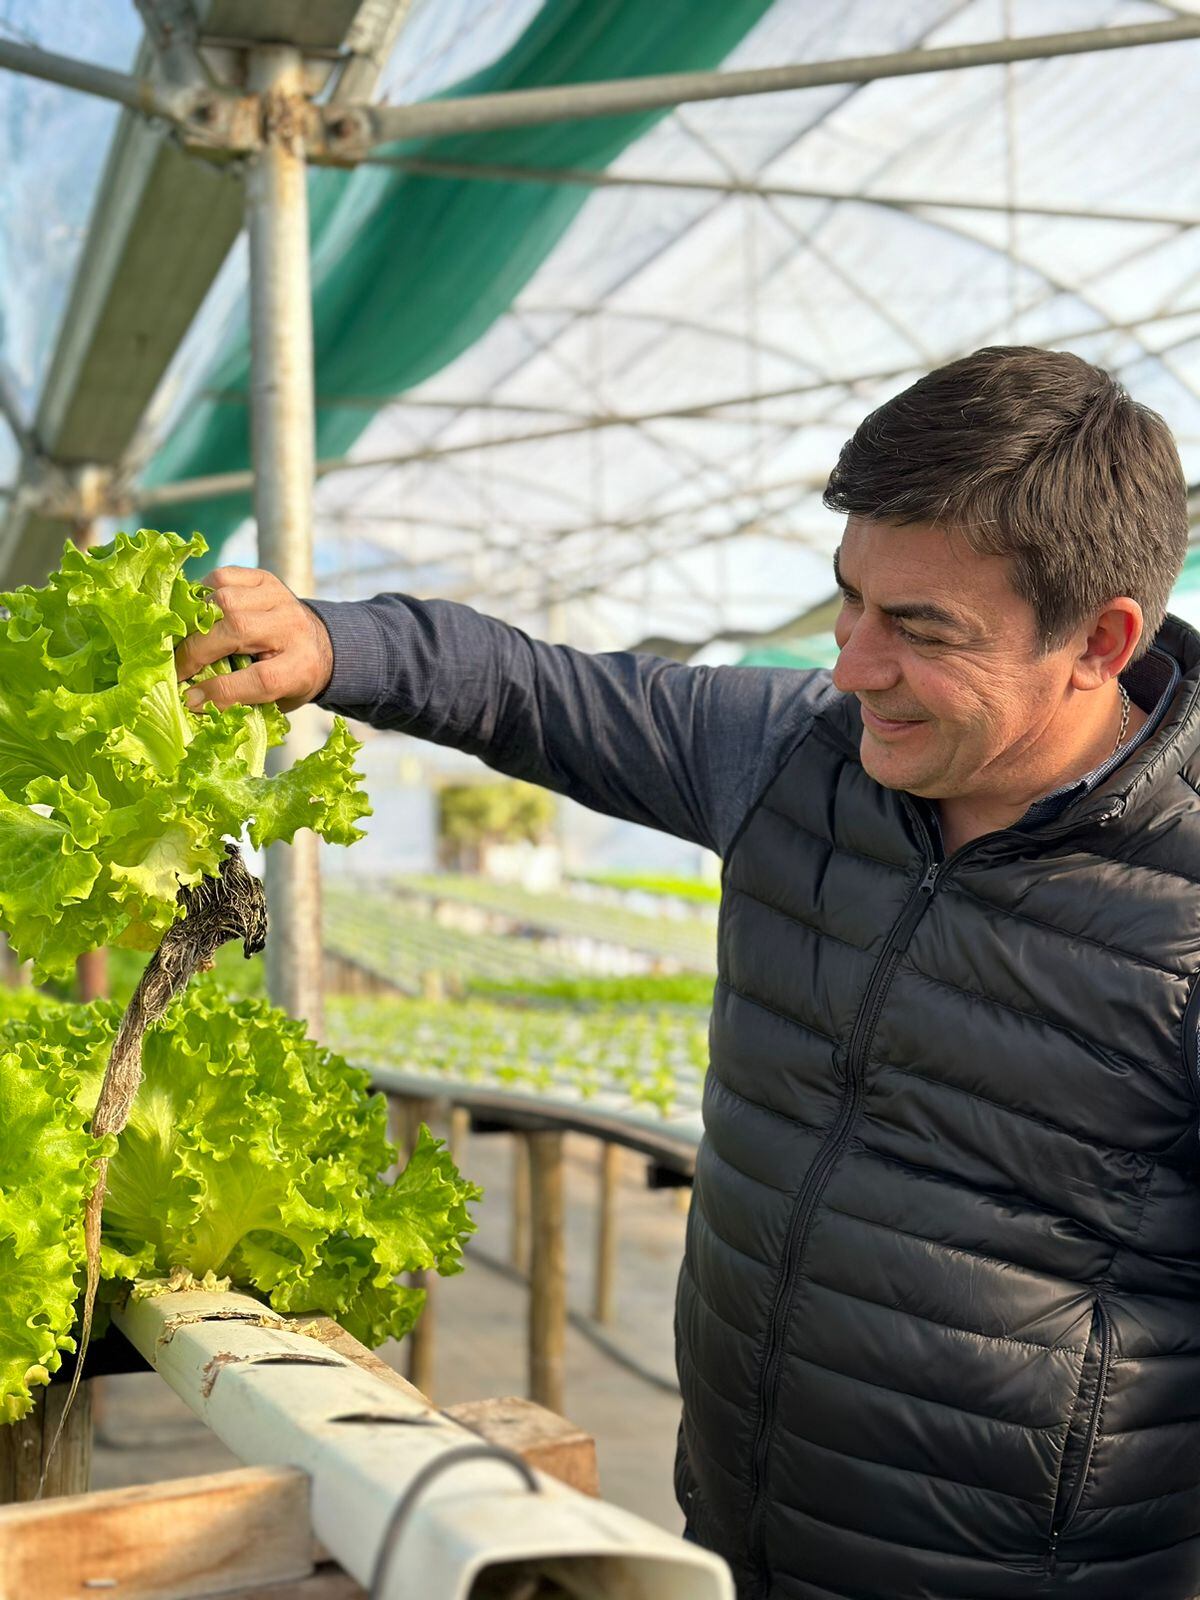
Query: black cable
{"points": [[431, 1470]]}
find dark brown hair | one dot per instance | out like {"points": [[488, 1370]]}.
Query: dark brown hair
{"points": [[1038, 456]]}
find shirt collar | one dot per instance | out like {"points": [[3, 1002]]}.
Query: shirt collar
{"points": [[1150, 683]]}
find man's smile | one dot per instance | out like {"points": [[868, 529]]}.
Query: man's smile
{"points": [[889, 725]]}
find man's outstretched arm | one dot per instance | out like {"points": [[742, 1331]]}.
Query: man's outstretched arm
{"points": [[683, 749]]}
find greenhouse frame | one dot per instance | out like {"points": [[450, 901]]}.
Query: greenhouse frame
{"points": [[564, 310]]}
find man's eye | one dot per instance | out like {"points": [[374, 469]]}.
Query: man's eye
{"points": [[915, 638]]}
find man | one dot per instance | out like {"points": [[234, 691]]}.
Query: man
{"points": [[938, 1321]]}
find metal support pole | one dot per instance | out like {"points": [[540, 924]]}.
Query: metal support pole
{"points": [[547, 1271], [354, 129], [91, 968], [281, 385], [139, 94], [592, 178]]}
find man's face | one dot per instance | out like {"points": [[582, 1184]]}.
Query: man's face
{"points": [[943, 656]]}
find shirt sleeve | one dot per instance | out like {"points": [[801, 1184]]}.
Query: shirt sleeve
{"points": [[685, 749]]}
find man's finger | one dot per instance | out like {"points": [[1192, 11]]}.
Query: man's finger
{"points": [[244, 634], [236, 578], [203, 649], [255, 685]]}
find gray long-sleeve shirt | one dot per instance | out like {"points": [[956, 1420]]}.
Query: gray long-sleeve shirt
{"points": [[685, 749]]}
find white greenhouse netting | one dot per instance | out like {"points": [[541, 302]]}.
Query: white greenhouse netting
{"points": [[716, 329]]}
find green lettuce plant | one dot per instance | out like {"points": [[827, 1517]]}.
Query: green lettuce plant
{"points": [[189, 1134], [47, 1172], [251, 1153], [113, 795]]}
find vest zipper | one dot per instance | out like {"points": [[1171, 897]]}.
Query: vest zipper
{"points": [[805, 1203], [1061, 1523]]}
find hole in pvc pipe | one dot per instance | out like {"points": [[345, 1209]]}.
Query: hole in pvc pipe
{"points": [[229, 1358], [382, 1416], [293, 1359]]}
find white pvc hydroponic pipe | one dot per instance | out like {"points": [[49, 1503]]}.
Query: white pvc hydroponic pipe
{"points": [[277, 1396]]}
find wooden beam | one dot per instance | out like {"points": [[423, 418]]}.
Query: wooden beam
{"points": [[549, 1443], [188, 1537]]}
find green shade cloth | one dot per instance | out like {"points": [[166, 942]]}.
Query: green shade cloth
{"points": [[814, 650], [408, 272]]}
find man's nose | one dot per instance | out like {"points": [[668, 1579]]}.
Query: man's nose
{"points": [[866, 663]]}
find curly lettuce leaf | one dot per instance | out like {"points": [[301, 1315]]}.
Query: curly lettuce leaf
{"points": [[253, 1153], [113, 795], [47, 1170]]}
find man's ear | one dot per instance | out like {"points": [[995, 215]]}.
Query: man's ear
{"points": [[1112, 638]]}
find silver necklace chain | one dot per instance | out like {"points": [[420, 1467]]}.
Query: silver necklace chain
{"points": [[1124, 729]]}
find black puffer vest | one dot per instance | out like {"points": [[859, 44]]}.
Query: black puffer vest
{"points": [[939, 1319]]}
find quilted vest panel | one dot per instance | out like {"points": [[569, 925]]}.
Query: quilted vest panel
{"points": [[939, 1318]]}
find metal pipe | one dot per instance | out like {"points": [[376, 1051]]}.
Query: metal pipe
{"points": [[172, 29], [591, 178], [222, 483], [354, 129], [367, 49], [282, 423], [14, 414], [152, 99]]}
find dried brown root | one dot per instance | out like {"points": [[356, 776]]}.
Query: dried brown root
{"points": [[230, 906]]}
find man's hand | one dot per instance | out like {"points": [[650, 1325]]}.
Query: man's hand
{"points": [[261, 617]]}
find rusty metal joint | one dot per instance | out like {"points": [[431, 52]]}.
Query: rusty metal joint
{"points": [[216, 122], [341, 135]]}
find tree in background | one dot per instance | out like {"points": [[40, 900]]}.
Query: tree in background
{"points": [[475, 820]]}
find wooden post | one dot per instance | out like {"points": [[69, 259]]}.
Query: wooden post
{"points": [[460, 1133], [606, 1232], [23, 1446], [547, 1271], [518, 1239], [91, 975], [421, 1339]]}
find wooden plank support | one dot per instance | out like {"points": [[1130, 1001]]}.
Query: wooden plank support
{"points": [[24, 1445], [549, 1443], [421, 1340], [217, 1535], [547, 1271], [606, 1232]]}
